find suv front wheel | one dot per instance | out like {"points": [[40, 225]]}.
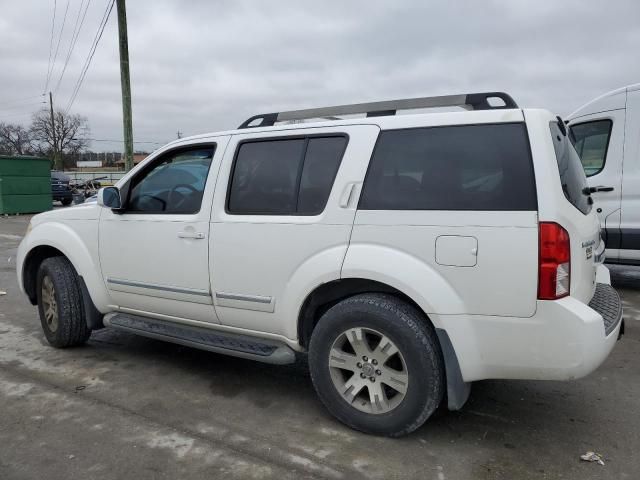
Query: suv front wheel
{"points": [[60, 303], [376, 364]]}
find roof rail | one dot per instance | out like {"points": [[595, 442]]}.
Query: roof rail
{"points": [[471, 101]]}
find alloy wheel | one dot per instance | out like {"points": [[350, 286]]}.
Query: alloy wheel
{"points": [[368, 370], [49, 304]]}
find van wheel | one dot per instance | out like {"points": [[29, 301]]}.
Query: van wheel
{"points": [[60, 303], [66, 201], [376, 365]]}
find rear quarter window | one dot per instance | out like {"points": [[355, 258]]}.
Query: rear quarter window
{"points": [[572, 176], [463, 167]]}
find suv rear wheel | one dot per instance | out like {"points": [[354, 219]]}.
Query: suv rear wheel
{"points": [[376, 364], [60, 303]]}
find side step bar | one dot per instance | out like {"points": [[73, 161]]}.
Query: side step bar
{"points": [[236, 345]]}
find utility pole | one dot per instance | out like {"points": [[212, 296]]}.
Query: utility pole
{"points": [[125, 84], [57, 163]]}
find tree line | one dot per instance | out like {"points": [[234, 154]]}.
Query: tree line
{"points": [[65, 135]]}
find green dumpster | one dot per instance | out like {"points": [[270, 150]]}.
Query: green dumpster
{"points": [[25, 184]]}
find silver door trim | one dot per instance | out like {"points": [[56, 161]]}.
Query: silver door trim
{"points": [[243, 298], [164, 288]]}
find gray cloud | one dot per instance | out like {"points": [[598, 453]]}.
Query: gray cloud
{"points": [[201, 66]]}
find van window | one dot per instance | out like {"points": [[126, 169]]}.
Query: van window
{"points": [[591, 141], [467, 167], [572, 176], [290, 176]]}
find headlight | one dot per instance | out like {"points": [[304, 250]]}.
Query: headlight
{"points": [[29, 228]]}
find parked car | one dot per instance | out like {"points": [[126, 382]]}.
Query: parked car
{"points": [[606, 134], [409, 255], [60, 189], [88, 187]]}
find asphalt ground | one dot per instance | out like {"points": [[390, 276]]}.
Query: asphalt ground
{"points": [[129, 407]]}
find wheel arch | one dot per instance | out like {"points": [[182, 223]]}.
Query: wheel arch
{"points": [[30, 268], [56, 239], [32, 262], [328, 294]]}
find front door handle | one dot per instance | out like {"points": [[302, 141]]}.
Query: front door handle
{"points": [[194, 235]]}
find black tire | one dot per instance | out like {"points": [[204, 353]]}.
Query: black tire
{"points": [[413, 336], [71, 329], [66, 201]]}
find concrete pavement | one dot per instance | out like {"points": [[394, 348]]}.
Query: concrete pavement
{"points": [[130, 407]]}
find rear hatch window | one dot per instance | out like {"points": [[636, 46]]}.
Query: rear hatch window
{"points": [[572, 176]]}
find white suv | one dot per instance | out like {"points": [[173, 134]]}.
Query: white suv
{"points": [[409, 255]]}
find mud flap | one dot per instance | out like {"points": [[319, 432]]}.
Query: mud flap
{"points": [[457, 389], [93, 316]]}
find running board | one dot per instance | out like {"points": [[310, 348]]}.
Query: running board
{"points": [[236, 345]]}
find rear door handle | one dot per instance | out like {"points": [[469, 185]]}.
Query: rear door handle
{"points": [[194, 235], [348, 195]]}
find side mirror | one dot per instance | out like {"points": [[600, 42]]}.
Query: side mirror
{"points": [[109, 197]]}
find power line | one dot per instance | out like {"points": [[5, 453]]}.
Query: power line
{"points": [[121, 141], [20, 100], [74, 40], [55, 56], [20, 107], [53, 25], [92, 51], [24, 114]]}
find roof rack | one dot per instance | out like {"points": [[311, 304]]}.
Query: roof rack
{"points": [[470, 101]]}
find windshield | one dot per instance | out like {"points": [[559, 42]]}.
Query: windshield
{"points": [[572, 176]]}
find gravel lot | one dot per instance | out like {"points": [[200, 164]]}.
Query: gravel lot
{"points": [[130, 407]]}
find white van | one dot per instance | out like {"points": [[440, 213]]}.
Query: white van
{"points": [[606, 134], [409, 255]]}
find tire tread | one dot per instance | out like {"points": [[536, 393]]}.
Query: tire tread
{"points": [[413, 320], [72, 326]]}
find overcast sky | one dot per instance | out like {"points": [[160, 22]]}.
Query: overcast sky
{"points": [[202, 66]]}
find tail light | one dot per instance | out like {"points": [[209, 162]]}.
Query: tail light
{"points": [[554, 264]]}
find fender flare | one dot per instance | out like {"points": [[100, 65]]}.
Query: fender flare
{"points": [[381, 264], [321, 268], [68, 242]]}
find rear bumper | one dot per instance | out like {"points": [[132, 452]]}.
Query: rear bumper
{"points": [[607, 303], [565, 339], [62, 195]]}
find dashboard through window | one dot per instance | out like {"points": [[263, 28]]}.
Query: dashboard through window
{"points": [[173, 185]]}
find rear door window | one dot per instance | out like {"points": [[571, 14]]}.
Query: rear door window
{"points": [[321, 164], [286, 176], [572, 176], [463, 167], [591, 141]]}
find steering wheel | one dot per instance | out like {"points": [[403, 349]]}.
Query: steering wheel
{"points": [[180, 201]]}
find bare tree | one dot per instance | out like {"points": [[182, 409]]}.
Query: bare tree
{"points": [[15, 139], [70, 136]]}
